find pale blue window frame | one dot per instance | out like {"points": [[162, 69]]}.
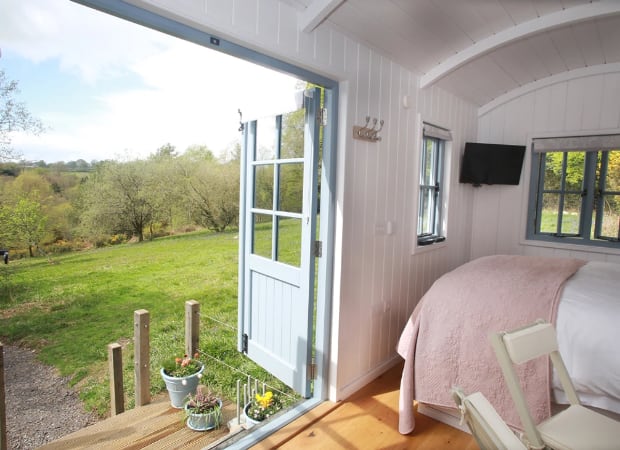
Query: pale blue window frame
{"points": [[593, 194]]}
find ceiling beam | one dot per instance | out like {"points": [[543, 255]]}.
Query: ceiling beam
{"points": [[545, 23], [315, 13]]}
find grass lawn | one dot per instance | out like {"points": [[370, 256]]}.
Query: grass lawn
{"points": [[69, 307], [570, 221]]}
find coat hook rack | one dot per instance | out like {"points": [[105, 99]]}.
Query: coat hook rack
{"points": [[368, 133]]}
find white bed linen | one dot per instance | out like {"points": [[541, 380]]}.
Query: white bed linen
{"points": [[588, 329]]}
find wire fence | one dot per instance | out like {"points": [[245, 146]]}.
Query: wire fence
{"points": [[250, 379]]}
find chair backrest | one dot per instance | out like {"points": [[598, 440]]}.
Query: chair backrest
{"points": [[485, 424], [519, 346]]}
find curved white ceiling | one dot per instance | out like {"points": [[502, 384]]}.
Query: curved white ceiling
{"points": [[479, 49]]}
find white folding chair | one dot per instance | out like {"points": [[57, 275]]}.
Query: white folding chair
{"points": [[485, 424], [576, 427]]}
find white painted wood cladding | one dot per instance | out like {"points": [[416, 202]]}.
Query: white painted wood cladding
{"points": [[586, 101], [378, 280]]}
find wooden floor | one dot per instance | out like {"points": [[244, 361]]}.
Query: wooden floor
{"points": [[368, 420]]}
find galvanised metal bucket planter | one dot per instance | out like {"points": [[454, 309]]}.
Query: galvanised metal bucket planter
{"points": [[180, 387]]}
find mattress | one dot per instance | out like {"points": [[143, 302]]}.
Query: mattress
{"points": [[588, 330]]}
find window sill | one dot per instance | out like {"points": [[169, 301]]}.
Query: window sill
{"points": [[430, 240], [418, 249], [570, 247]]}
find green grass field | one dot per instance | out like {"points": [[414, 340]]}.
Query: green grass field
{"points": [[70, 307]]}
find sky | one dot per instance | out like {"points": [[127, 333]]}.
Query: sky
{"points": [[106, 88]]}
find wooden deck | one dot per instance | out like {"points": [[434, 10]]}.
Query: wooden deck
{"points": [[368, 420], [154, 426]]}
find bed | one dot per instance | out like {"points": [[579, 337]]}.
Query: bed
{"points": [[445, 341]]}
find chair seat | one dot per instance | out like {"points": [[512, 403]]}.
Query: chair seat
{"points": [[579, 428]]}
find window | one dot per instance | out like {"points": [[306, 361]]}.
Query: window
{"points": [[432, 159], [575, 190]]}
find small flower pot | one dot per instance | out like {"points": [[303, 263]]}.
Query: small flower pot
{"points": [[204, 421], [180, 387], [248, 419]]}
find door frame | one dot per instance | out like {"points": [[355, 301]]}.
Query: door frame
{"points": [[159, 22]]}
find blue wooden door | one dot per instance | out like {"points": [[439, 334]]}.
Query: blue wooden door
{"points": [[277, 229]]}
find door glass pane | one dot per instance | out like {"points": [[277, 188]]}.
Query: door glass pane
{"points": [[291, 187], [289, 241], [266, 139], [262, 235], [293, 134], [263, 186]]}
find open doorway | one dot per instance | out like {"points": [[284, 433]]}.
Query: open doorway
{"points": [[321, 172]]}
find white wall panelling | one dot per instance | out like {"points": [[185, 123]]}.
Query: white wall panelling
{"points": [[586, 101], [377, 279]]}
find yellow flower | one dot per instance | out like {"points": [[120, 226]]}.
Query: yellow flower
{"points": [[264, 400]]}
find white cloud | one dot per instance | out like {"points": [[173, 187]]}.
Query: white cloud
{"points": [[85, 41], [190, 94]]}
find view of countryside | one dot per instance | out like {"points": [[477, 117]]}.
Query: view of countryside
{"points": [[608, 208], [119, 191]]}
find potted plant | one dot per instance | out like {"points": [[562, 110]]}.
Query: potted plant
{"points": [[181, 376], [262, 407], [203, 411]]}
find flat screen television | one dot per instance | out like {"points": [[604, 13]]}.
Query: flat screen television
{"points": [[491, 163]]}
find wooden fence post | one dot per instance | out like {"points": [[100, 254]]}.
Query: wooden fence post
{"points": [[192, 327], [117, 393], [4, 445], [142, 357]]}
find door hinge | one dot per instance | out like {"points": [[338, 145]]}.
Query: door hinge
{"points": [[244, 343], [318, 249], [323, 117], [312, 371]]}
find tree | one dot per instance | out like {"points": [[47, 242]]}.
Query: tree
{"points": [[166, 151], [129, 197], [118, 199], [292, 175], [13, 117], [166, 193], [26, 222], [97, 216], [212, 190], [198, 153], [32, 184]]}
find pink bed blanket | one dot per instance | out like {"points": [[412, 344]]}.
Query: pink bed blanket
{"points": [[446, 341]]}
